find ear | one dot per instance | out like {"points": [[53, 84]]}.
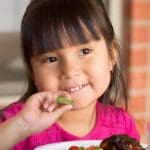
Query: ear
{"points": [[114, 54]]}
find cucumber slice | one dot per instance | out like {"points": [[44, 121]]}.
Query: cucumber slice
{"points": [[63, 100]]}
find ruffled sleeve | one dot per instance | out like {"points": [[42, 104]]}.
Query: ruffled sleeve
{"points": [[11, 111], [115, 120]]}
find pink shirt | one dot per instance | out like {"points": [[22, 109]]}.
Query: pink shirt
{"points": [[110, 120]]}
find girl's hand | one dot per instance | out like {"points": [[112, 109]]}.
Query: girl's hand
{"points": [[41, 111]]}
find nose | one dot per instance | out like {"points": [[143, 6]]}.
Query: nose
{"points": [[70, 69]]}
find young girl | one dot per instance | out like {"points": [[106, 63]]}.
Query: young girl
{"points": [[70, 50]]}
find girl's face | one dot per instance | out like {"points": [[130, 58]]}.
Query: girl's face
{"points": [[83, 71]]}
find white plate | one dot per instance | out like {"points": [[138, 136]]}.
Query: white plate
{"points": [[66, 145]]}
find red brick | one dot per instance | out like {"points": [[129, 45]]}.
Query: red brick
{"points": [[139, 34], [138, 80], [137, 103], [140, 9], [141, 126], [139, 57], [136, 32]]}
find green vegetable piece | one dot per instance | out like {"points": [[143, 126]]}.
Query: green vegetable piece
{"points": [[63, 100], [81, 148]]}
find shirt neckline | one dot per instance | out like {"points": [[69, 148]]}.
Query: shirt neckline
{"points": [[70, 136]]}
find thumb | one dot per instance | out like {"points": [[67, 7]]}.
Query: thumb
{"points": [[49, 118], [53, 116]]}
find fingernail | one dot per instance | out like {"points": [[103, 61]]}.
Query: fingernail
{"points": [[46, 106], [50, 108], [70, 106]]}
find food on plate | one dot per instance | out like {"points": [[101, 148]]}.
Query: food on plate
{"points": [[83, 148], [63, 100], [114, 142]]}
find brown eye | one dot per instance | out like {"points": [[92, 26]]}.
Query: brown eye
{"points": [[85, 51], [51, 59]]}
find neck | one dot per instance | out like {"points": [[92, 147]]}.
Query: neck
{"points": [[79, 122]]}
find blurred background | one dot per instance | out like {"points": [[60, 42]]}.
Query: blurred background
{"points": [[131, 20]]}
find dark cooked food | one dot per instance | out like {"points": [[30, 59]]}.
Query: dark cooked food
{"points": [[120, 142]]}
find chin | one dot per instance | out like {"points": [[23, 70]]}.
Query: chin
{"points": [[84, 105]]}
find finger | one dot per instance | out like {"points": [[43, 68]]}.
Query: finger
{"points": [[50, 102], [44, 99], [51, 97], [50, 117], [47, 101], [37, 100], [52, 107]]}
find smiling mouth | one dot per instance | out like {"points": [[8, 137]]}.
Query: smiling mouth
{"points": [[74, 89]]}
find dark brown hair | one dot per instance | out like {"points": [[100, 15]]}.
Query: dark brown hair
{"points": [[45, 25]]}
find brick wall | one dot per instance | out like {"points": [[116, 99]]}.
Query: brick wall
{"points": [[137, 49]]}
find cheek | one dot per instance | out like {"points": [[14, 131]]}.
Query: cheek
{"points": [[42, 80], [100, 77], [39, 82], [38, 75], [102, 84], [99, 69]]}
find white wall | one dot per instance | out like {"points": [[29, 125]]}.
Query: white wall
{"points": [[115, 13], [11, 12]]}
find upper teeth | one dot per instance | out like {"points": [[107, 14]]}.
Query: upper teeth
{"points": [[74, 89]]}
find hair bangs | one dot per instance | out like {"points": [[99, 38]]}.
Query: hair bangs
{"points": [[64, 28]]}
